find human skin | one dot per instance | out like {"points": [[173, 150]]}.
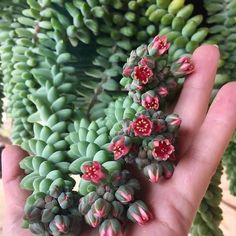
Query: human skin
{"points": [[203, 138]]}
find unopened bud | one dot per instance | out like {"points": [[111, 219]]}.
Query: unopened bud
{"points": [[141, 50], [163, 91], [86, 202], [101, 208], [40, 203], [109, 196], [153, 172], [55, 191], [47, 216], [117, 209], [132, 60], [184, 66], [125, 194], [110, 227], [168, 169], [127, 71], [92, 219], [37, 228], [134, 183], [173, 122], [139, 213], [60, 224], [33, 214], [65, 200], [141, 162]]}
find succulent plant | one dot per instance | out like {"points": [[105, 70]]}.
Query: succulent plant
{"points": [[61, 64], [55, 213]]}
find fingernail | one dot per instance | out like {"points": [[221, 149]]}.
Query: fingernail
{"points": [[215, 45]]}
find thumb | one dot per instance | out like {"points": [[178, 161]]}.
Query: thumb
{"points": [[14, 196], [12, 175]]}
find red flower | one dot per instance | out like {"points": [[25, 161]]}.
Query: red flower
{"points": [[142, 74], [93, 172], [162, 149], [186, 66], [142, 126], [161, 44], [119, 148], [150, 102]]}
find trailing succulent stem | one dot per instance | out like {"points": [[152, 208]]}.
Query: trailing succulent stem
{"points": [[209, 215], [230, 163]]}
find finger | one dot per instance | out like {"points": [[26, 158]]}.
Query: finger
{"points": [[11, 176], [194, 99], [195, 170]]}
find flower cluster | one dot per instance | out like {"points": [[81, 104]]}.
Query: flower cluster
{"points": [[148, 75], [55, 213], [149, 142], [112, 201]]}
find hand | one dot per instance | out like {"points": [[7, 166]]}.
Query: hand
{"points": [[204, 135], [14, 196]]}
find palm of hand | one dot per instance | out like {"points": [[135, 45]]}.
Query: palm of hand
{"points": [[173, 202]]}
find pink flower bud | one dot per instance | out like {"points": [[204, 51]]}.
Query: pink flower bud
{"points": [[110, 227], [173, 122], [168, 169], [124, 194], [117, 209], [101, 208], [184, 66], [60, 224], [163, 91], [92, 220], [127, 71], [153, 172], [162, 149], [138, 213]]}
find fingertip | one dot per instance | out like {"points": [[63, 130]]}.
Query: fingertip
{"points": [[14, 151], [207, 51], [224, 104], [229, 89]]}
